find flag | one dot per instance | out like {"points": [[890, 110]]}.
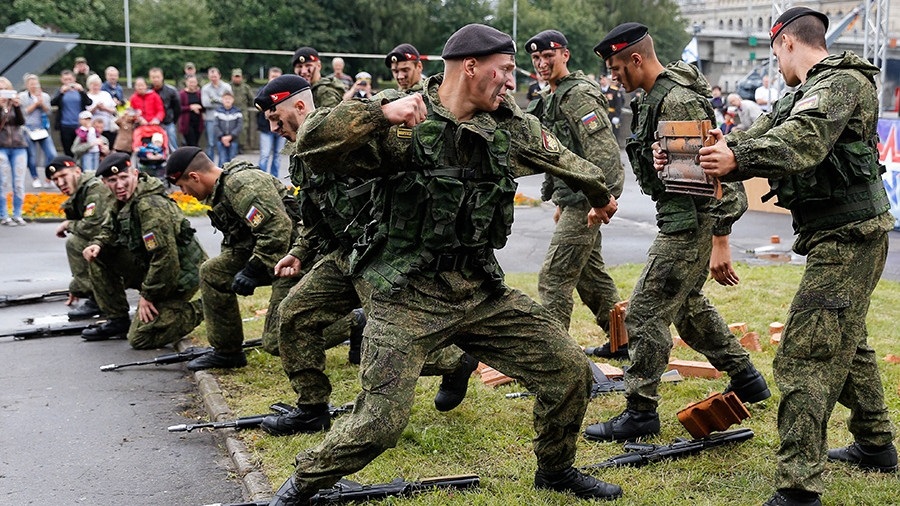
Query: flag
{"points": [[691, 52]]}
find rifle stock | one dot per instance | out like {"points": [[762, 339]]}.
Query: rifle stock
{"points": [[50, 330], [253, 421], [31, 298], [641, 454], [173, 358]]}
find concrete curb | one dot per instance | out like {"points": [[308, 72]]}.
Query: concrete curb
{"points": [[256, 484]]}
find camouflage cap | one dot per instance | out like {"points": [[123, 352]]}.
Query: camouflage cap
{"points": [[303, 55], [113, 164], [80, 59], [620, 38], [179, 161], [477, 40], [59, 163], [403, 52], [548, 39], [790, 15], [278, 90]]}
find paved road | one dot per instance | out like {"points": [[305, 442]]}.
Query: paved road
{"points": [[74, 435]]}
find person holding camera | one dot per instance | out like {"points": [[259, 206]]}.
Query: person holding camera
{"points": [[35, 104], [13, 152], [362, 87], [71, 99]]}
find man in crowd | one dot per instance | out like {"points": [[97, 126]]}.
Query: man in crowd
{"points": [[327, 91], [243, 100], [615, 98], [405, 63], [171, 105], [81, 70], [111, 85], [747, 111], [270, 143], [147, 244], [337, 65], [211, 98]]}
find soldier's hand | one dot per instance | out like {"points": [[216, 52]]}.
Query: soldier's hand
{"points": [[717, 160], [720, 266], [61, 229], [91, 252], [71, 300], [248, 278], [408, 111], [288, 267], [147, 312], [557, 214], [598, 215], [660, 157]]}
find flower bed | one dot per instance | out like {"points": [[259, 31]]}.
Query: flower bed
{"points": [[46, 206]]}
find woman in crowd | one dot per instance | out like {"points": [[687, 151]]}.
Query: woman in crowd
{"points": [[102, 106], [35, 104], [190, 122], [13, 153]]}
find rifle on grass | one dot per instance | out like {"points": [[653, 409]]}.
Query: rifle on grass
{"points": [[32, 298], [173, 358], [346, 491], [49, 330], [603, 384], [254, 421], [641, 454]]}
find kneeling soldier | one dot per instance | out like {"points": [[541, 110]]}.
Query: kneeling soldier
{"points": [[257, 216], [147, 244], [89, 201]]}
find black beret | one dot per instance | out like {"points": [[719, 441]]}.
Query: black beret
{"points": [[278, 90], [619, 38], [790, 15], [477, 40], [59, 163], [179, 161], [548, 39], [403, 52], [113, 164], [303, 55]]}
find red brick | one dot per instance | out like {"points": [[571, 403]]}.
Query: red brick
{"points": [[694, 369]]}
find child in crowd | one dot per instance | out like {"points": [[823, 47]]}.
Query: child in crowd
{"points": [[87, 142], [155, 150], [728, 124], [228, 124], [126, 124]]}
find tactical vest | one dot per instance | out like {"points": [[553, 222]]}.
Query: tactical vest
{"points": [[328, 92], [449, 213], [844, 188], [675, 212]]}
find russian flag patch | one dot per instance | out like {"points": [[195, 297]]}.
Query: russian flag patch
{"points": [[150, 241], [590, 120], [254, 216]]}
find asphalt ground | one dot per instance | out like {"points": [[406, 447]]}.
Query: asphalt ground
{"points": [[74, 435]]}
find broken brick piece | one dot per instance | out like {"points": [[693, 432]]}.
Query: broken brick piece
{"points": [[610, 371], [775, 338], [738, 329], [618, 335], [750, 341], [891, 358], [494, 378], [694, 369], [776, 328], [716, 412]]}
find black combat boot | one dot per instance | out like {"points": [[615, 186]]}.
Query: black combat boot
{"points": [[627, 426], [305, 418], [603, 352], [793, 497], [868, 458], [356, 336], [454, 385], [114, 328], [289, 495], [749, 385], [218, 360], [87, 309], [577, 483]]}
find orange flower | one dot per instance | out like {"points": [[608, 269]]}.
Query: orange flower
{"points": [[48, 205]]}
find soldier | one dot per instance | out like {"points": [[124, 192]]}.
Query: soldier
{"points": [[430, 264], [88, 203], [327, 91], [334, 212], [818, 149], [405, 63], [573, 110], [693, 237], [243, 100], [147, 244], [257, 217], [616, 100]]}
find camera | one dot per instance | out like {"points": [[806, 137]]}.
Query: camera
{"points": [[8, 94]]}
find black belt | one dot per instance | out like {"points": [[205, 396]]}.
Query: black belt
{"points": [[455, 261]]}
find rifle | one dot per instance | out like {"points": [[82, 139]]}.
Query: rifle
{"points": [[641, 454], [173, 358], [602, 383], [346, 491], [254, 421], [49, 330], [31, 298]]}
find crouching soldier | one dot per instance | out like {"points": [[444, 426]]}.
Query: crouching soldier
{"points": [[88, 203], [147, 244], [257, 216]]}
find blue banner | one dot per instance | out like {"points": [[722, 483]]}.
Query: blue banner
{"points": [[889, 153]]}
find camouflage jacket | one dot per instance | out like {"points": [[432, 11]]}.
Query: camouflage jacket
{"points": [[328, 92], [88, 206]]}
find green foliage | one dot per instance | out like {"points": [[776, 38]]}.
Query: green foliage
{"points": [[491, 436], [173, 22]]}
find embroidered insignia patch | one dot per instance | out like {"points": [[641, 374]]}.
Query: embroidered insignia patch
{"points": [[591, 121], [404, 133], [90, 209], [150, 241], [806, 104], [550, 142], [254, 216]]}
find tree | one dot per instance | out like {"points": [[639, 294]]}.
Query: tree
{"points": [[172, 22]]}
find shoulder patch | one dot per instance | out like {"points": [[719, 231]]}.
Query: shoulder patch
{"points": [[90, 209], [807, 103], [591, 121], [254, 216], [150, 241], [551, 144]]}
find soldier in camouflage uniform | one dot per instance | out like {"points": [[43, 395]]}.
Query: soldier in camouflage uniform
{"points": [[326, 91], [88, 203], [573, 109], [257, 216], [405, 63], [692, 238], [147, 244], [334, 210], [818, 150], [430, 265], [243, 100]]}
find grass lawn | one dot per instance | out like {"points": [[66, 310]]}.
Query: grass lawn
{"points": [[490, 435]]}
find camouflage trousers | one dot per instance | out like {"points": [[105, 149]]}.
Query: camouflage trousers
{"points": [[670, 290], [824, 356], [224, 327], [315, 316], [114, 271], [80, 286], [502, 327], [575, 262]]}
